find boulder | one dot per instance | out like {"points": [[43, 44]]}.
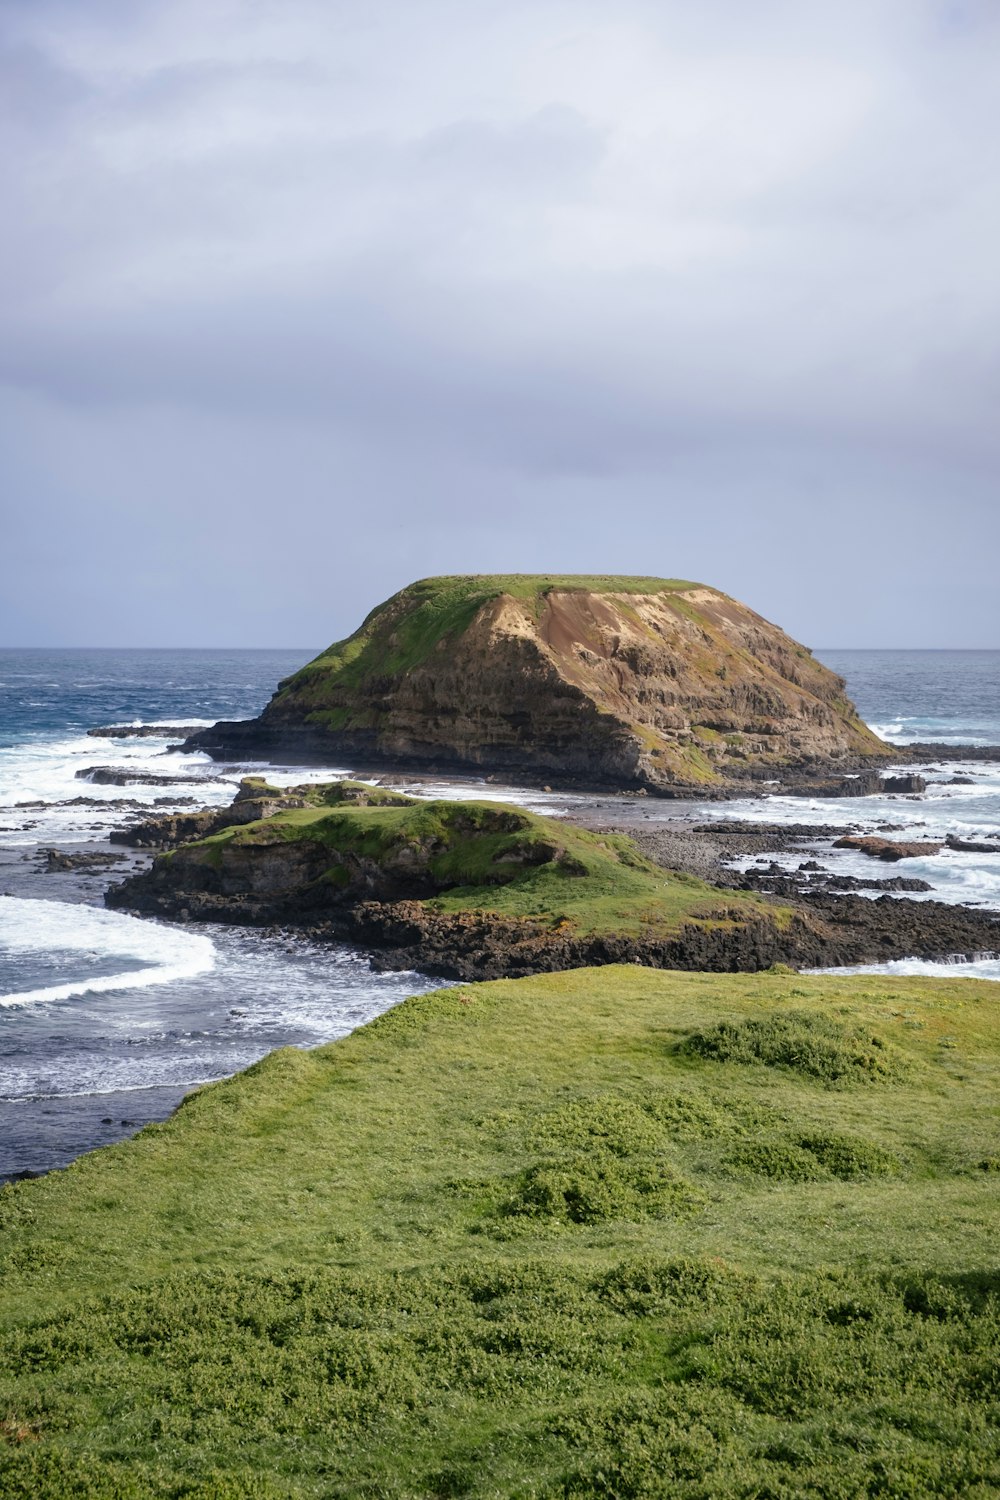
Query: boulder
{"points": [[888, 849]]}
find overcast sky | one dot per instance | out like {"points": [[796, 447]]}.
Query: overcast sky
{"points": [[304, 299]]}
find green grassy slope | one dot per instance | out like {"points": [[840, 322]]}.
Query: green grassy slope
{"points": [[611, 1232], [489, 856]]}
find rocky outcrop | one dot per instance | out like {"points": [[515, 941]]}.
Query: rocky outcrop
{"points": [[888, 849], [481, 945], [57, 861], [973, 846], [254, 801], [466, 889], [143, 731], [483, 890], [128, 776], [624, 682], [923, 752], [868, 783]]}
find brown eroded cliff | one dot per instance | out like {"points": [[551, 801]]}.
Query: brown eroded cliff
{"points": [[628, 682]]}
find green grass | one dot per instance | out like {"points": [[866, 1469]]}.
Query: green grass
{"points": [[525, 1239], [489, 856], [402, 632]]}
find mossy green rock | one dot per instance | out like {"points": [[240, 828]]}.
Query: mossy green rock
{"points": [[627, 682]]}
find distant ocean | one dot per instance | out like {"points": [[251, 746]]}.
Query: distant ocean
{"points": [[106, 1020], [908, 697]]}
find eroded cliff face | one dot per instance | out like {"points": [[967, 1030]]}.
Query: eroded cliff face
{"points": [[658, 685]]}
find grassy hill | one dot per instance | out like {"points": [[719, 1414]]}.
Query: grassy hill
{"points": [[471, 856], [610, 1232], [468, 890]]}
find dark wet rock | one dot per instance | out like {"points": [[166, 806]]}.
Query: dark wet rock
{"points": [[481, 945], [62, 859], [124, 776], [924, 752], [143, 731], [865, 783], [970, 846], [901, 883], [888, 849], [907, 784], [776, 881], [886, 928]]}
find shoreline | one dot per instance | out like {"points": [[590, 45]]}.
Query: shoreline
{"points": [[815, 918], [700, 840]]}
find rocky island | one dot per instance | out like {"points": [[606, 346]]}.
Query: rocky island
{"points": [[632, 683], [482, 890]]}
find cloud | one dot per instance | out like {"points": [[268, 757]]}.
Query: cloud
{"points": [[538, 250]]}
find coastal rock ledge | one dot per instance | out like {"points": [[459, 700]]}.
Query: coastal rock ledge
{"points": [[632, 683]]}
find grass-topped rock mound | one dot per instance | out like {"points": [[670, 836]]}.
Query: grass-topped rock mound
{"points": [[608, 681], [466, 889], [520, 1240]]}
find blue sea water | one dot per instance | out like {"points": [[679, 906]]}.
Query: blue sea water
{"points": [[945, 697], [107, 1019]]}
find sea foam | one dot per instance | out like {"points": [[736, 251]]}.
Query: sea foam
{"points": [[44, 928]]}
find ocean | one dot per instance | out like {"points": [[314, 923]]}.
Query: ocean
{"points": [[107, 1020]]}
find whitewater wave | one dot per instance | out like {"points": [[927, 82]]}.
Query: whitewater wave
{"points": [[982, 966], [911, 731], [99, 939]]}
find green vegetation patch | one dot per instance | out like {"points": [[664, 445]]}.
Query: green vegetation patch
{"points": [[327, 793], [605, 1158], [492, 857], [292, 1287], [817, 1047], [811, 1158]]}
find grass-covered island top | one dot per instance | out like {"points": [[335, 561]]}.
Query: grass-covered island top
{"points": [[610, 1232]]}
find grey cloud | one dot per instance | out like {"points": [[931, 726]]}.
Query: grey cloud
{"points": [[503, 271]]}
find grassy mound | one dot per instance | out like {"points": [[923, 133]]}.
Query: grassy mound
{"points": [[817, 1047], [301, 1284], [479, 856]]}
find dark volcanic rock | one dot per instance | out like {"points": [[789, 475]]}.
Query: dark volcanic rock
{"points": [[124, 776], [144, 731], [60, 859], [776, 881], [907, 784], [887, 928], [970, 846], [863, 784], [478, 945], [925, 752]]}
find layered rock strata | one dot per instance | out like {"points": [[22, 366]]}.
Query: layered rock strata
{"points": [[624, 682]]}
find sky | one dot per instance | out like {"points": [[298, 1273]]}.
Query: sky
{"points": [[303, 299]]}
